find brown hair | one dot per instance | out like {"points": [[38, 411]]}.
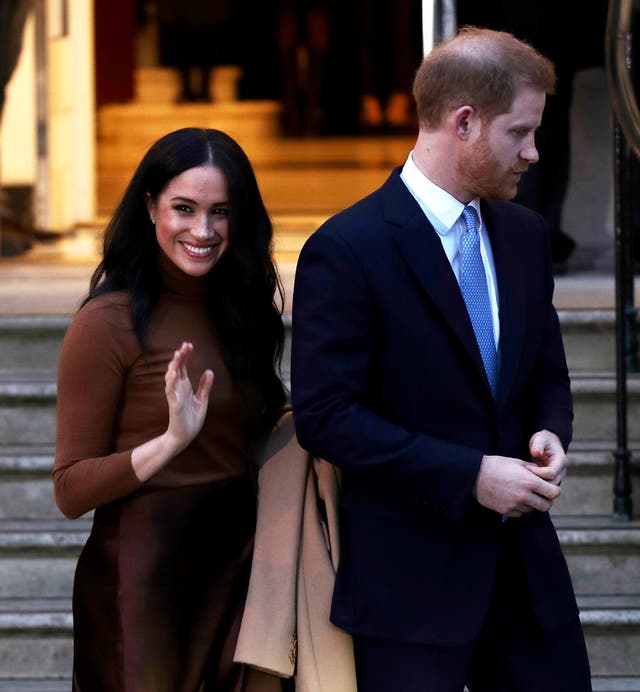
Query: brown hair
{"points": [[481, 68]]}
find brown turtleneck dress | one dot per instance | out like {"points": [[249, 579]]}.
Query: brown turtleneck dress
{"points": [[160, 584]]}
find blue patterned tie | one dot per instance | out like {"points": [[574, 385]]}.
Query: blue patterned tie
{"points": [[473, 284]]}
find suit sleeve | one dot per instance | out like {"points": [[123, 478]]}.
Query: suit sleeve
{"points": [[334, 324]]}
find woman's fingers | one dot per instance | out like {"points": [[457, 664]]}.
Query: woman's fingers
{"points": [[182, 354], [177, 379], [204, 387], [178, 362]]}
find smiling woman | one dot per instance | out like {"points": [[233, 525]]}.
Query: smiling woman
{"points": [[161, 452], [191, 219]]}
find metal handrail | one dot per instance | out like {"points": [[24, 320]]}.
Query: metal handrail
{"points": [[617, 64]]}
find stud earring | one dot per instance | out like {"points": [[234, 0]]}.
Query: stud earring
{"points": [[153, 221]]}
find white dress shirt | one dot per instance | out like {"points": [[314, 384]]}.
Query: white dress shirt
{"points": [[444, 213]]}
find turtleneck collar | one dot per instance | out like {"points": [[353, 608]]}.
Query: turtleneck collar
{"points": [[176, 281]]}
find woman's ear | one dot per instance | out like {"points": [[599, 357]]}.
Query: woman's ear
{"points": [[151, 207]]}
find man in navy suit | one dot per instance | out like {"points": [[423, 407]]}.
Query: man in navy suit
{"points": [[451, 441]]}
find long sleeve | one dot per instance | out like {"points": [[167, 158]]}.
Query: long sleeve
{"points": [[91, 373]]}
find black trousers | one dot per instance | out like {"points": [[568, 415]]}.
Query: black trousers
{"points": [[512, 652]]}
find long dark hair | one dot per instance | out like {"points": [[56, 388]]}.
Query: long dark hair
{"points": [[244, 293]]}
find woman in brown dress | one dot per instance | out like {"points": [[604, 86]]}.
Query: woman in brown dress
{"points": [[158, 451]]}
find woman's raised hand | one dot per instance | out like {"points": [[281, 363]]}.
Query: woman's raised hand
{"points": [[187, 409], [186, 416]]}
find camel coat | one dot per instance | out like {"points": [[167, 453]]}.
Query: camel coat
{"points": [[285, 629]]}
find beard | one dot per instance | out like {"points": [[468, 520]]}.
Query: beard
{"points": [[484, 174]]}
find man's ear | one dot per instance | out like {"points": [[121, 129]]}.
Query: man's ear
{"points": [[463, 121]]}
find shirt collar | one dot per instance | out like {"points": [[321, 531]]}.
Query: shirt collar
{"points": [[442, 209]]}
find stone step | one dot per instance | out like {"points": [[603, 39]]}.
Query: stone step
{"points": [[42, 537], [603, 554], [594, 398], [41, 630], [43, 577], [38, 558], [35, 685], [589, 339], [588, 487], [162, 84], [45, 285], [31, 340], [25, 461], [294, 178], [246, 121], [26, 490], [612, 683], [27, 400], [599, 683], [36, 633], [27, 498], [30, 345], [27, 403], [612, 630], [326, 192], [26, 340], [315, 158]]}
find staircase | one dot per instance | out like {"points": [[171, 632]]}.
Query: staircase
{"points": [[345, 169], [302, 181], [38, 548], [603, 554]]}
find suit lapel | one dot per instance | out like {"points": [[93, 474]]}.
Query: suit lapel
{"points": [[421, 248], [511, 298]]}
